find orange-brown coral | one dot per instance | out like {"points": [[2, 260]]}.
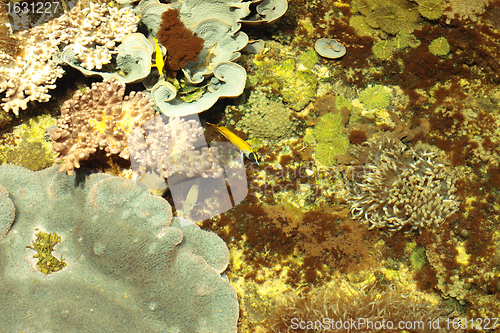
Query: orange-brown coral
{"points": [[183, 46], [101, 118]]}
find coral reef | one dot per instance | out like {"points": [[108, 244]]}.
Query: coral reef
{"points": [[206, 58], [264, 118], [329, 48], [128, 268], [167, 149], [392, 17], [394, 186], [183, 46], [337, 307], [92, 31], [99, 119], [131, 62]]}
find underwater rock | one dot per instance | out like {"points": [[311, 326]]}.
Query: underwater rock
{"points": [[127, 268], [329, 48]]}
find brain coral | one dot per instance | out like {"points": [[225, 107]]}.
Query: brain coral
{"points": [[392, 186], [128, 269], [266, 119]]}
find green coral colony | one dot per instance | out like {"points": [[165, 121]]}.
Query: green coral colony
{"points": [[374, 195]]}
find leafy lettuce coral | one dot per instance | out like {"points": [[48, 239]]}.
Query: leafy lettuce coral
{"points": [[128, 268]]}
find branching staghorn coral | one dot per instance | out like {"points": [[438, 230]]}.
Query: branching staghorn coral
{"points": [[92, 31], [392, 185], [101, 118]]}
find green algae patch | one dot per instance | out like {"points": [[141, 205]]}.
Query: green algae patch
{"points": [[309, 59], [44, 245], [27, 146], [296, 86], [417, 258], [330, 139], [341, 101], [383, 49], [376, 97], [439, 47]]}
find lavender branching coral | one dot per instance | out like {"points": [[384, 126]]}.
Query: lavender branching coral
{"points": [[101, 118], [167, 149], [392, 185]]}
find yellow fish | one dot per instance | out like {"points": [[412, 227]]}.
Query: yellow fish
{"points": [[158, 58], [238, 142]]}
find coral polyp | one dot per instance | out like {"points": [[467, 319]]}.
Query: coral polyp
{"points": [[392, 185]]}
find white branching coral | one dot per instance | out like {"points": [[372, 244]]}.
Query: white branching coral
{"points": [[30, 74], [392, 185]]}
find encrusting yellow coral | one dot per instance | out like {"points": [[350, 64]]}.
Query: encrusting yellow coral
{"points": [[101, 118]]}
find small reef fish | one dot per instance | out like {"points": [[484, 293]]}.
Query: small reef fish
{"points": [[191, 198], [238, 142], [159, 63]]}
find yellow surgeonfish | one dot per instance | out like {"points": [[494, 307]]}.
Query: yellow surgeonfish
{"points": [[158, 57], [238, 142]]}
